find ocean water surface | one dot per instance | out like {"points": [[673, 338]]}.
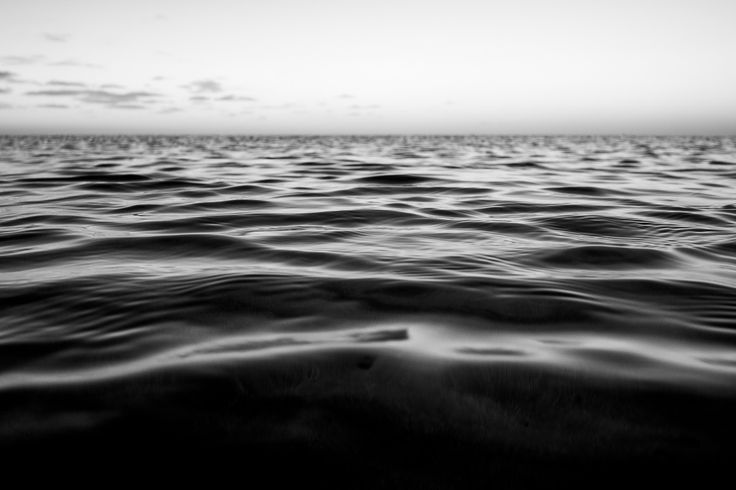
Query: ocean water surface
{"points": [[606, 260]]}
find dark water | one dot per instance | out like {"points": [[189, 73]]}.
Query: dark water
{"points": [[301, 276]]}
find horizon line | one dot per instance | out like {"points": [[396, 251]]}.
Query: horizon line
{"points": [[288, 134]]}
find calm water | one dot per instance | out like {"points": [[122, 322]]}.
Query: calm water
{"points": [[613, 258]]}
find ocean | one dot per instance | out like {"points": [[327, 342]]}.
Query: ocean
{"points": [[372, 311]]}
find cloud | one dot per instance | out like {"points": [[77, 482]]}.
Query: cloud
{"points": [[204, 86], [53, 106], [199, 98], [37, 58], [345, 96], [170, 110], [4, 90], [21, 60], [236, 98], [128, 106], [111, 85], [56, 93], [365, 106], [108, 98], [56, 38], [124, 100], [61, 83], [8, 76], [3, 105], [75, 63], [12, 77]]}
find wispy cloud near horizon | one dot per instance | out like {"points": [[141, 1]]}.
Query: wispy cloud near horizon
{"points": [[56, 37], [10, 77], [21, 60], [236, 98], [204, 86], [53, 106], [125, 100], [62, 83], [75, 63]]}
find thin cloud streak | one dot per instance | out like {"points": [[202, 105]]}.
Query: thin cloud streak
{"points": [[21, 60], [56, 38], [105, 97], [74, 63], [62, 83], [204, 86], [128, 106], [9, 77], [124, 100], [236, 98]]}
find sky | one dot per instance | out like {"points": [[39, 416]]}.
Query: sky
{"points": [[368, 67]]}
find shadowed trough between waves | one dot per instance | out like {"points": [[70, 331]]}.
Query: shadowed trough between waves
{"points": [[373, 311]]}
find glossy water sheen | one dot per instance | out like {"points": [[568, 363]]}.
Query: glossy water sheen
{"points": [[613, 256]]}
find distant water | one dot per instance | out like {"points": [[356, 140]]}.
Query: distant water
{"points": [[610, 257]]}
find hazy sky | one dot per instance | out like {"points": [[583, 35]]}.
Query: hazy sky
{"points": [[380, 66]]}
